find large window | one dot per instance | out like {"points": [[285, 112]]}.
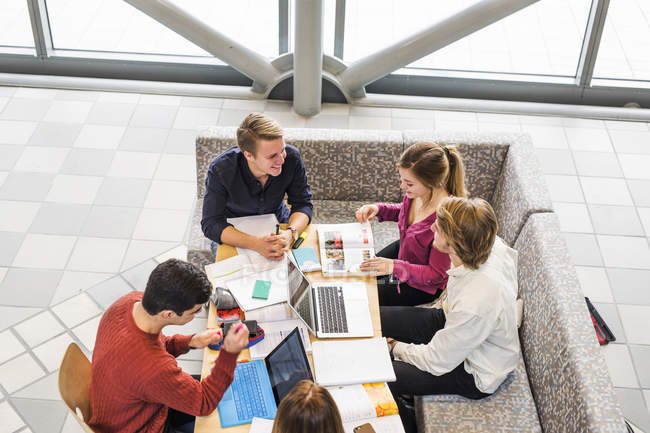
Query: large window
{"points": [[625, 45], [544, 38], [116, 26], [15, 27]]}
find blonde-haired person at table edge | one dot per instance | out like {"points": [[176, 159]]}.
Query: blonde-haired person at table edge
{"points": [[308, 408], [470, 345], [428, 173]]}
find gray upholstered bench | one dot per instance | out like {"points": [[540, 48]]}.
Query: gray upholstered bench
{"points": [[561, 383]]}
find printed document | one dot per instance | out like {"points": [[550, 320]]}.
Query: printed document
{"points": [[343, 247]]}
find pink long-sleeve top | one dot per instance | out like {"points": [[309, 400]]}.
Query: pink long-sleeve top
{"points": [[418, 264]]}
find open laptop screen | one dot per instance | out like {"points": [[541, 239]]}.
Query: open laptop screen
{"points": [[287, 365], [300, 294]]}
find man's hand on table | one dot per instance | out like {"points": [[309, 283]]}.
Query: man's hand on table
{"points": [[210, 336], [274, 246], [236, 338]]}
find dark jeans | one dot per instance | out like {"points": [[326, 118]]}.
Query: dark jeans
{"points": [[213, 247], [180, 422], [387, 290], [419, 325]]}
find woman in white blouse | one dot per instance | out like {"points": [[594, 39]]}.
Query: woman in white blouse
{"points": [[470, 345]]}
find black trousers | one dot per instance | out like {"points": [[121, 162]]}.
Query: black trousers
{"points": [[407, 295], [180, 422], [418, 326]]}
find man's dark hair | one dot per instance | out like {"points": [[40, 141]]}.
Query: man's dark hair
{"points": [[175, 285]]}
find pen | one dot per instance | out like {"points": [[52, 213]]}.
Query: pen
{"points": [[277, 229], [300, 240]]}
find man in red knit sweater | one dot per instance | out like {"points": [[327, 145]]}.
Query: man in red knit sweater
{"points": [[135, 379]]}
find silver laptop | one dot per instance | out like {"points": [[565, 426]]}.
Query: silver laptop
{"points": [[329, 309]]}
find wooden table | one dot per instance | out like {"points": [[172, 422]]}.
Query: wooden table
{"points": [[211, 423]]}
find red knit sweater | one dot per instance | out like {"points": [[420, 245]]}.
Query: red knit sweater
{"points": [[135, 377]]}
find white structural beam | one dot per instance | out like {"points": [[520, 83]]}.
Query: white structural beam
{"points": [[368, 69], [245, 60], [308, 57]]}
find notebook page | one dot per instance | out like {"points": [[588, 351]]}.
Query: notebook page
{"points": [[386, 424], [261, 425], [353, 402]]}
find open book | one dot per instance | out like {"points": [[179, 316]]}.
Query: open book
{"points": [[343, 247], [370, 402]]}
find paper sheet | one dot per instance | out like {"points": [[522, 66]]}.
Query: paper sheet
{"points": [[385, 424], [242, 288], [350, 362], [229, 269], [271, 313], [274, 333], [261, 425], [353, 402], [260, 226]]}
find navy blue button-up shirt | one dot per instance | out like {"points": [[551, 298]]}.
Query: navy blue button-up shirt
{"points": [[231, 190]]}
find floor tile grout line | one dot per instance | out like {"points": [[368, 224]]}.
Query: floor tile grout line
{"points": [[627, 186]]}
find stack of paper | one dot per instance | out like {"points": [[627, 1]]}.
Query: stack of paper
{"points": [[352, 361]]}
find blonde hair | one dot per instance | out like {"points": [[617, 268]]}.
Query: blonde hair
{"points": [[254, 127], [436, 166], [308, 408], [469, 226]]}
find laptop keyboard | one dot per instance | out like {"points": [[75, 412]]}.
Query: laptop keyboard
{"points": [[248, 393], [332, 309]]}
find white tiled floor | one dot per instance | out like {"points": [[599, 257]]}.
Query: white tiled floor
{"points": [[114, 172]]}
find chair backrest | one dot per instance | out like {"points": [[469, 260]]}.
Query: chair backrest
{"points": [[74, 383]]}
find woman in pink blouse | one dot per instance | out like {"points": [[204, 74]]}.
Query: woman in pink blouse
{"points": [[429, 172]]}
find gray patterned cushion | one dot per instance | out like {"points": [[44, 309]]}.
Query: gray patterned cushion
{"points": [[198, 246], [521, 190], [567, 373], [340, 164], [350, 164], [511, 408]]}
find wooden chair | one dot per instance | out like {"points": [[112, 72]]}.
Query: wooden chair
{"points": [[74, 384]]}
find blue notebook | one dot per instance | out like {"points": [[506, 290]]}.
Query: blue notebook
{"points": [[307, 259]]}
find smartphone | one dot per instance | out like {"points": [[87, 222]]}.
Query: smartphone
{"points": [[364, 428], [250, 324]]}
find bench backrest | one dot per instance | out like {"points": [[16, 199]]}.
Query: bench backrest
{"points": [[362, 165], [566, 371]]}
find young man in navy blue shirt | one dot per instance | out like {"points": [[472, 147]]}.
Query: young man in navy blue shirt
{"points": [[252, 179]]}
